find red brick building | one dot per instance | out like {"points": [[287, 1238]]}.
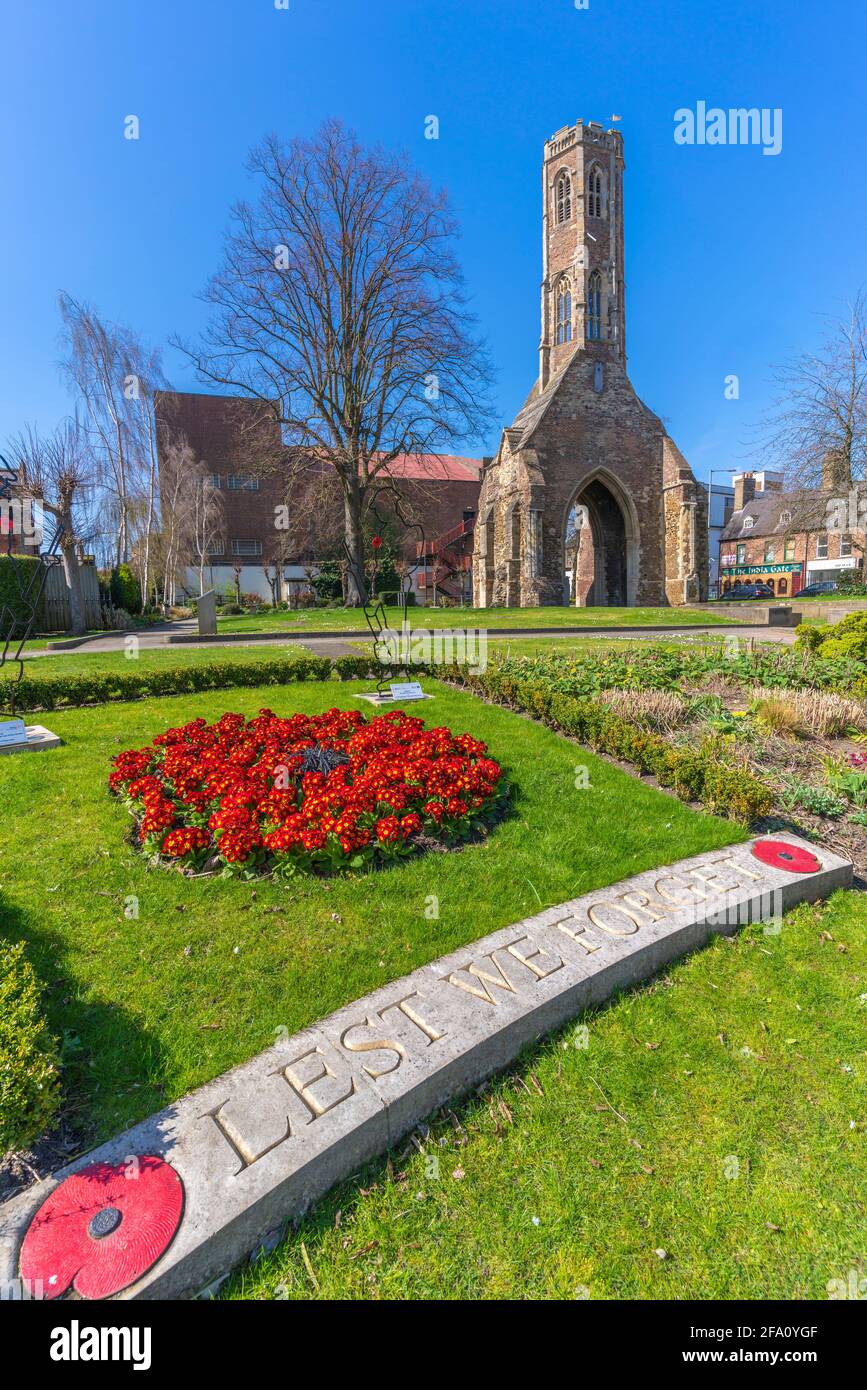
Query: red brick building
{"points": [[788, 540], [280, 509]]}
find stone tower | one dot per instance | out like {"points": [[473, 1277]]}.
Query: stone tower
{"points": [[583, 287], [588, 500]]}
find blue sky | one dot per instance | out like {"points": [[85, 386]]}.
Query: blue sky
{"points": [[731, 259]]}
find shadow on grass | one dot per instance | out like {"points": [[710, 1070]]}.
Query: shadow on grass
{"points": [[103, 1054]]}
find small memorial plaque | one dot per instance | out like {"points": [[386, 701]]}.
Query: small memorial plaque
{"points": [[406, 690], [12, 731]]}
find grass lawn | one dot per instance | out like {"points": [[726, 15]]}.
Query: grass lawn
{"points": [[341, 619], [82, 663], [153, 1005], [717, 1115]]}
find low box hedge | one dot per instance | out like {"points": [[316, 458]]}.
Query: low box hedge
{"points": [[54, 692], [694, 774], [29, 1064]]}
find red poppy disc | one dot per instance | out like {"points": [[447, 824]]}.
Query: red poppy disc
{"points": [[102, 1228], [781, 855]]}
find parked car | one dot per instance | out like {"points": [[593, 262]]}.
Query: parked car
{"points": [[823, 586], [757, 590]]}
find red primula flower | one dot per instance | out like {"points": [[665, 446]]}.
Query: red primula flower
{"points": [[251, 791]]}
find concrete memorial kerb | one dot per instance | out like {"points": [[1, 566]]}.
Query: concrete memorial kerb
{"points": [[259, 1145]]}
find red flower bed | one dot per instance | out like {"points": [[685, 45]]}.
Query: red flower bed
{"points": [[310, 792]]}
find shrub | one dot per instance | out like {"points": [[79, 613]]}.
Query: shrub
{"points": [[29, 1069], [54, 692], [124, 589], [846, 639], [694, 774], [327, 583], [16, 573], [850, 584], [354, 668]]}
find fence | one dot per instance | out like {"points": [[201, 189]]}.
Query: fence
{"points": [[55, 616]]}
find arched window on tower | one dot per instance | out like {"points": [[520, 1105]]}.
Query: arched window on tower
{"points": [[594, 191], [564, 198], [564, 316], [594, 306]]}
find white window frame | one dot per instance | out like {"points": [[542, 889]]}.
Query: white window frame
{"points": [[239, 554]]}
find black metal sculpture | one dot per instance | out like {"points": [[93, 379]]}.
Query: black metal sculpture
{"points": [[374, 607], [320, 759], [18, 619]]}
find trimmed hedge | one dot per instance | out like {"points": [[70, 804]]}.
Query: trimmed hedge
{"points": [[15, 571], [54, 692], [29, 1064], [694, 774], [847, 639]]}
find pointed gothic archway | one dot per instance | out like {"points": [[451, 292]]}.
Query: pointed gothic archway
{"points": [[600, 545]]}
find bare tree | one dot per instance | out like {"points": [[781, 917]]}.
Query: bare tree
{"points": [[58, 470], [208, 518], [116, 376], [179, 488], [340, 303], [816, 430]]}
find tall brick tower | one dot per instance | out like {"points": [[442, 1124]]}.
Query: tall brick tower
{"points": [[588, 500], [583, 286]]}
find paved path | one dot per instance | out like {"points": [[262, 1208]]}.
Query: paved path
{"points": [[335, 645]]}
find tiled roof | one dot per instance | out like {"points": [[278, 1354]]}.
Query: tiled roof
{"points": [[778, 513], [436, 468]]}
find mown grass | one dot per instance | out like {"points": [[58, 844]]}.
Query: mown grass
{"points": [[352, 619], [150, 1006], [707, 1143]]}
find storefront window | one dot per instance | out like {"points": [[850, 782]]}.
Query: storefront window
{"points": [[783, 587]]}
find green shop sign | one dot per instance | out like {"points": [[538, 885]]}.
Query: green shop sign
{"points": [[794, 568]]}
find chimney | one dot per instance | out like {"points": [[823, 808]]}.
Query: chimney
{"points": [[769, 482], [745, 490], [835, 474]]}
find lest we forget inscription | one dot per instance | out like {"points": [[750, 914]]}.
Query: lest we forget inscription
{"points": [[263, 1142]]}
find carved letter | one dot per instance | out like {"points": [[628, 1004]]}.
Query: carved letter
{"points": [[528, 960], [499, 981], [406, 1009], [303, 1086], [612, 907], [373, 1045], [576, 931]]}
